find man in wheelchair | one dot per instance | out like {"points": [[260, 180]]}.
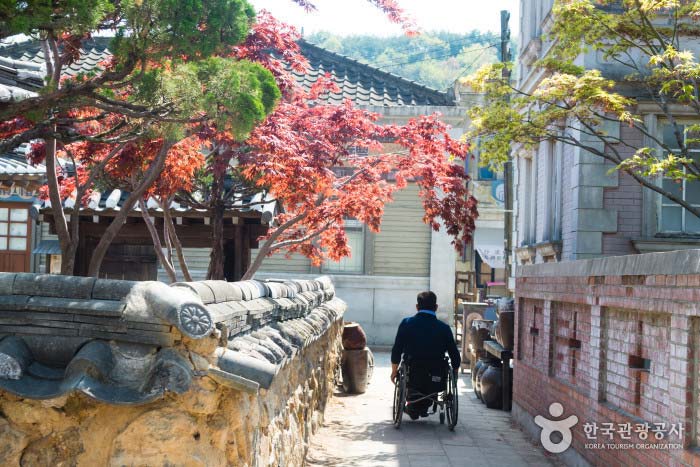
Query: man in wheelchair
{"points": [[422, 340]]}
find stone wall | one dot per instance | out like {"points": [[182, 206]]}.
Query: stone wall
{"points": [[616, 342], [210, 425], [249, 393]]}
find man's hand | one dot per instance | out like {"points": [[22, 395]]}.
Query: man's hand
{"points": [[394, 372]]}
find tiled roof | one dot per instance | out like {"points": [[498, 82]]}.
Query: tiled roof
{"points": [[29, 53], [109, 202], [23, 66], [15, 165], [364, 84]]}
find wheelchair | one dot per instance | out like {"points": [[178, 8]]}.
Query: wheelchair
{"points": [[420, 380]]}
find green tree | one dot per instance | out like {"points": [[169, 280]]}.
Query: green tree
{"points": [[170, 69], [649, 71], [433, 58]]}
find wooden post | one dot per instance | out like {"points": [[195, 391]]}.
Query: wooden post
{"points": [[238, 269]]}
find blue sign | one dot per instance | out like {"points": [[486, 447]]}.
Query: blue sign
{"points": [[498, 192]]}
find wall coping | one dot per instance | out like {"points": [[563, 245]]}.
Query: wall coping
{"points": [[129, 343], [358, 281], [663, 263]]}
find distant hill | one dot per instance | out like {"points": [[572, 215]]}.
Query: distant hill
{"points": [[434, 59]]}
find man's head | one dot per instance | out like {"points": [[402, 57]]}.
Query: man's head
{"points": [[426, 301]]}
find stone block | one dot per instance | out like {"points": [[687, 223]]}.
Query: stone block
{"points": [[589, 243], [590, 197], [48, 285], [589, 157], [596, 175], [6, 281], [597, 220]]}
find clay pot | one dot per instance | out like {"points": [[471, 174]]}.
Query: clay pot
{"points": [[491, 387], [354, 337], [477, 366], [479, 375], [479, 333], [505, 332], [355, 366]]}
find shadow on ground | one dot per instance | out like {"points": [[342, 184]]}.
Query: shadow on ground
{"points": [[358, 432]]}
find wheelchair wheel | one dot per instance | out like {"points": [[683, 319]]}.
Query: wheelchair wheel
{"points": [[451, 401], [399, 398]]}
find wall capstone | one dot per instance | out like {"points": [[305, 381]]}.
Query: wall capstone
{"points": [[106, 372]]}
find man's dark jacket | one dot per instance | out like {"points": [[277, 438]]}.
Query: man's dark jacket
{"points": [[425, 337]]}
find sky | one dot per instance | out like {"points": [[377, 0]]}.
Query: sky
{"points": [[347, 17]]}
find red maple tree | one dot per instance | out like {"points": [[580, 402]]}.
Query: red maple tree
{"points": [[123, 142], [305, 157], [328, 163]]}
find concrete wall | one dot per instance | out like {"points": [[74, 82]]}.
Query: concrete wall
{"points": [[615, 341], [378, 303]]}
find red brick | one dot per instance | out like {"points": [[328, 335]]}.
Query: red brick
{"points": [[613, 329]]}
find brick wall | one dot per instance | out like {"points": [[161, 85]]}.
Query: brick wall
{"points": [[617, 343], [571, 325], [626, 198]]}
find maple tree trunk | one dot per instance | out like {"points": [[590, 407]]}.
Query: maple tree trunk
{"points": [[216, 259], [170, 228], [168, 241], [157, 246], [111, 232], [257, 262], [268, 245], [68, 244]]}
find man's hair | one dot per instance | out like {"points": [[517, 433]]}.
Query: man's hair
{"points": [[427, 301]]}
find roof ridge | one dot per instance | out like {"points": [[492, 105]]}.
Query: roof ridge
{"points": [[29, 42], [443, 94]]}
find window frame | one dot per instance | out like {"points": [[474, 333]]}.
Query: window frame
{"points": [[662, 201], [328, 266]]}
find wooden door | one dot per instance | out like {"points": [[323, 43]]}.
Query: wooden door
{"points": [[130, 262], [15, 237]]}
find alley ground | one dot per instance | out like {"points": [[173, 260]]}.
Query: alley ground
{"points": [[357, 432]]}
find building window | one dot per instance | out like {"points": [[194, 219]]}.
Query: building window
{"points": [[355, 263], [529, 200], [14, 229], [358, 151], [553, 169], [672, 217]]}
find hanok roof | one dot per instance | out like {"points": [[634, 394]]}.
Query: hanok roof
{"points": [[16, 170], [109, 203], [15, 164], [23, 67], [364, 84], [29, 55]]}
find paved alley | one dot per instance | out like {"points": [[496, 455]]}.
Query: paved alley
{"points": [[358, 432]]}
